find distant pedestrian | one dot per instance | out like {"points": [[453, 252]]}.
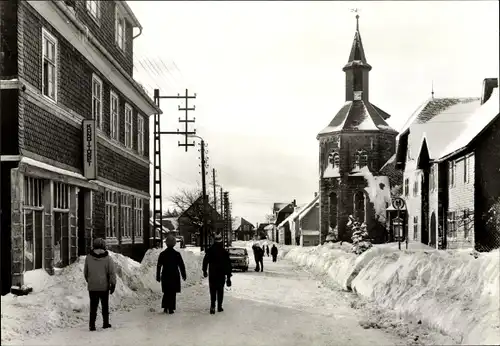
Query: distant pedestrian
{"points": [[169, 265], [274, 252], [100, 274], [218, 264], [267, 250]]}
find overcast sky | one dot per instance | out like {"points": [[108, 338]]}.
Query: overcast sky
{"points": [[268, 78]]}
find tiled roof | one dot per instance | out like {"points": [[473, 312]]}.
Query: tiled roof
{"points": [[474, 125], [389, 170], [358, 116]]}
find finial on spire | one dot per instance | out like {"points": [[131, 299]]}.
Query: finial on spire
{"points": [[356, 10], [432, 90]]}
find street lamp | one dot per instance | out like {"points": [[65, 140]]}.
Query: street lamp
{"points": [[204, 233], [397, 224]]}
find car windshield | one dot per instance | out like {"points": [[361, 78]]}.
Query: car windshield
{"points": [[237, 252]]}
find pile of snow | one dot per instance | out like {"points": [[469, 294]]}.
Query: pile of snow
{"points": [[449, 290], [379, 191], [62, 300]]}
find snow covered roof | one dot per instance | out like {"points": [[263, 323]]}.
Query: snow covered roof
{"points": [[172, 223], [358, 115], [389, 170], [163, 228], [239, 221], [269, 227], [308, 208], [474, 125]]}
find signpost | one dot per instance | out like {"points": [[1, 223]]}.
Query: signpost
{"points": [[89, 149], [398, 204]]}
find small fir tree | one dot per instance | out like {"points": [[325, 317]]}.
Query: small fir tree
{"points": [[360, 238]]}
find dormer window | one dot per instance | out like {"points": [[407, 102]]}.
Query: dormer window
{"points": [[120, 29], [360, 159]]}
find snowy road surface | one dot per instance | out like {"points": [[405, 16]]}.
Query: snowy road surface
{"points": [[281, 306]]}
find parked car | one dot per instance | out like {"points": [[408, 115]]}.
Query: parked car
{"points": [[239, 258], [180, 240]]}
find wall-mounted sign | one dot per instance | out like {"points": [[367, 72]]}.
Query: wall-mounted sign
{"points": [[89, 149], [398, 203]]}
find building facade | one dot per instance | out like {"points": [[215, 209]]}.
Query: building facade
{"points": [[355, 145], [451, 176], [74, 134]]}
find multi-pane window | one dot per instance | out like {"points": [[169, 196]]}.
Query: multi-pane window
{"points": [[111, 214], [120, 29], [140, 134], [126, 216], [468, 167], [62, 235], [407, 187], [452, 224], [114, 116], [451, 173], [49, 68], [97, 100], [334, 159], [33, 224], [139, 219], [360, 159], [415, 228], [93, 8], [128, 126]]}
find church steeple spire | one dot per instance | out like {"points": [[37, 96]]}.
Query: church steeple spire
{"points": [[357, 69]]}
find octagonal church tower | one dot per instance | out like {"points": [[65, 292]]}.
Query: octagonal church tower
{"points": [[352, 150]]}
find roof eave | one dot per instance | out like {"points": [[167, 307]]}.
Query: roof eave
{"points": [[133, 19]]}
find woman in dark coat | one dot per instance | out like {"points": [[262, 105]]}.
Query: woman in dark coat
{"points": [[171, 262]]}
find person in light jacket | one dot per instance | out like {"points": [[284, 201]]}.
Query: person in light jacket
{"points": [[169, 270], [218, 264], [100, 274]]}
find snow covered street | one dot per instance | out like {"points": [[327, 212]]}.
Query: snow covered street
{"points": [[281, 306]]}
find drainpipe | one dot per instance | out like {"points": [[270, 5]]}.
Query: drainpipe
{"points": [[139, 34]]}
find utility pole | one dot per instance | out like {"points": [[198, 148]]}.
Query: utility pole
{"points": [[214, 215], [157, 188], [204, 235], [222, 215]]}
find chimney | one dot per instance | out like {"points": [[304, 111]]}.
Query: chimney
{"points": [[294, 203], [488, 85]]}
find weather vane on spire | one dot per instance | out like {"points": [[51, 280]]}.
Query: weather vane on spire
{"points": [[356, 10]]}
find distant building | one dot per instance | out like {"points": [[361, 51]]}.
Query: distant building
{"points": [[352, 150], [449, 151], [303, 224], [74, 134], [286, 209], [242, 229]]}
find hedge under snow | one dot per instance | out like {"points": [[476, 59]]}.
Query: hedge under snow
{"points": [[448, 290], [62, 300]]}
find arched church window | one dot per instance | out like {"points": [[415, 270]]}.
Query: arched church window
{"points": [[332, 209], [334, 160], [359, 206], [360, 159]]}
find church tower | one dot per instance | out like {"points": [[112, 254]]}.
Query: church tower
{"points": [[357, 140]]}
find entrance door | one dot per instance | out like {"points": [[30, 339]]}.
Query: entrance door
{"points": [[432, 241]]}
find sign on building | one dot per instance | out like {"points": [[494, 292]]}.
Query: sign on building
{"points": [[89, 149]]}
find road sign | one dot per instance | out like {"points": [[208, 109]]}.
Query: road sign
{"points": [[398, 203]]}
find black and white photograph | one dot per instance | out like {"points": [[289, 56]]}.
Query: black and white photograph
{"points": [[249, 173]]}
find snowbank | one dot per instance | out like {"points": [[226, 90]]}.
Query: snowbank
{"points": [[449, 290], [62, 300]]}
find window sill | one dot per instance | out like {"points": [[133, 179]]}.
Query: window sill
{"points": [[50, 99]]}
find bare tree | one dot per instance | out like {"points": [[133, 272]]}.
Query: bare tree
{"points": [[184, 204], [270, 218]]}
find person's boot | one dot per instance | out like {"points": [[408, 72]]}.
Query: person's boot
{"points": [[212, 311], [220, 309], [105, 319], [92, 322]]}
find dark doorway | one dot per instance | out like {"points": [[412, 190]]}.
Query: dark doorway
{"points": [[432, 241], [333, 210], [424, 192], [81, 223], [288, 235]]}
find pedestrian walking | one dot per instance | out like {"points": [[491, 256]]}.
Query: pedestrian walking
{"points": [[274, 252], [100, 275], [259, 258], [169, 265], [218, 264], [267, 250]]}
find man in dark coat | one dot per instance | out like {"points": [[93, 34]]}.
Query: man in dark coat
{"points": [[171, 262], [274, 252], [258, 254], [219, 272], [100, 274], [267, 250]]}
